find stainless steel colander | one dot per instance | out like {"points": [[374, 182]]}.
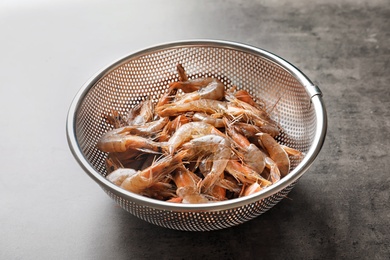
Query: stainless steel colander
{"points": [[293, 100]]}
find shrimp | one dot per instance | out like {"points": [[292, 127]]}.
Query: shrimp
{"points": [[276, 152], [243, 95], [112, 163], [125, 159], [146, 178], [248, 152], [147, 129], [202, 105], [274, 172], [172, 126], [116, 141], [160, 191], [182, 73], [291, 151], [245, 174], [218, 192], [186, 182], [229, 183], [115, 119], [250, 130], [250, 110], [210, 119], [187, 132], [168, 96], [140, 114], [119, 175], [207, 88], [216, 145], [251, 189]]}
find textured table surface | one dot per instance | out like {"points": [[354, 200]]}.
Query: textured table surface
{"points": [[50, 209]]}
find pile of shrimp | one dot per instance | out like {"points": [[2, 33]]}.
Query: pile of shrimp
{"points": [[200, 143]]}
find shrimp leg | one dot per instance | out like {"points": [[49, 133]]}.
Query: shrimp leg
{"points": [[112, 141]]}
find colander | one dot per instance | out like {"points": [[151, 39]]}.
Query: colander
{"points": [[291, 98]]}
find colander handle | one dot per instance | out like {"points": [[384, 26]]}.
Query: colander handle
{"points": [[313, 90]]}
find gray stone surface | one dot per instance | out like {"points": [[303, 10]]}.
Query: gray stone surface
{"points": [[50, 209]]}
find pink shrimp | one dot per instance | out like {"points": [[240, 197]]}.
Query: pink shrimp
{"points": [[202, 105], [248, 152], [186, 182], [117, 141], [140, 114], [119, 175], [251, 189], [144, 179], [187, 132], [249, 110], [115, 119], [217, 146], [147, 129], [276, 152], [245, 174], [171, 92], [207, 88], [273, 170], [250, 130], [216, 121]]}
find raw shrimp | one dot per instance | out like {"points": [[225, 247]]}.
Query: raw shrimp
{"points": [[249, 107], [140, 114], [202, 105], [243, 95], [212, 144], [112, 163], [207, 88], [159, 191], [186, 182], [115, 119], [245, 174], [291, 151], [248, 152], [276, 152], [250, 130], [187, 132], [172, 126], [171, 92], [217, 192], [210, 119], [274, 172], [251, 189], [119, 175], [147, 129], [182, 73], [144, 179], [116, 141], [220, 149]]}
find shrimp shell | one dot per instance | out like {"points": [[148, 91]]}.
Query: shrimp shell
{"points": [[187, 132], [115, 141]]}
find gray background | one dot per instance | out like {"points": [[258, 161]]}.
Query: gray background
{"points": [[50, 209]]}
